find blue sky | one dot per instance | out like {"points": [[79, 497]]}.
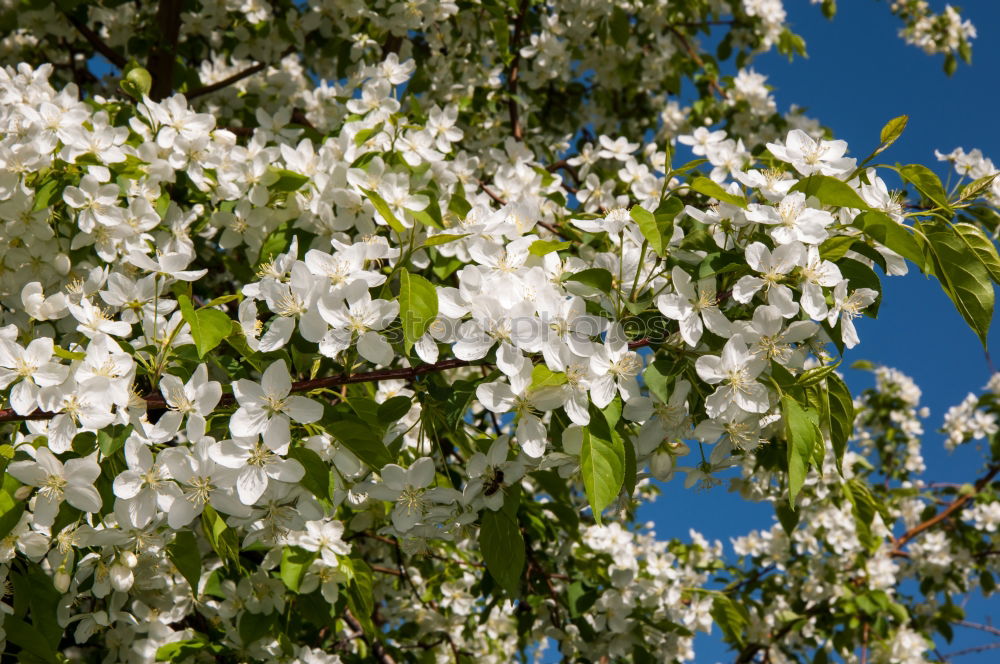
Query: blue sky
{"points": [[859, 75]]}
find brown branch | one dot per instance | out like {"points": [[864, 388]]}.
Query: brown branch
{"points": [[497, 199], [973, 650], [238, 76], [155, 400], [566, 166], [101, 46], [491, 194], [515, 66], [953, 507], [378, 651], [985, 628], [164, 53]]}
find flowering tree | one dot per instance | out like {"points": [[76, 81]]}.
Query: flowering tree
{"points": [[356, 331]]}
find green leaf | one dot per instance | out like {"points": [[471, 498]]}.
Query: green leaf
{"points": [[418, 305], [594, 277], [981, 246], [183, 553], [801, 433], [294, 564], [602, 463], [658, 375], [365, 443], [864, 506], [317, 477], [502, 546], [111, 439], [10, 513], [830, 191], [542, 247], [288, 181], [731, 617], [254, 626], [816, 374], [29, 639], [841, 417], [892, 130], [542, 376], [927, 183], [788, 517], [719, 263], [426, 218], [882, 228], [620, 26], [394, 408], [649, 228], [208, 326], [383, 209], [443, 238], [179, 651], [834, 248], [220, 536], [36, 586], [361, 593], [44, 193], [714, 190], [963, 276]]}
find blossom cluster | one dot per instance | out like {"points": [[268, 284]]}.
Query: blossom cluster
{"points": [[353, 350]]}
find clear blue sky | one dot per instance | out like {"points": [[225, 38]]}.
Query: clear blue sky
{"points": [[858, 75]]}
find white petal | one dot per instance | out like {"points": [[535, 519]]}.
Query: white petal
{"points": [[251, 484]]}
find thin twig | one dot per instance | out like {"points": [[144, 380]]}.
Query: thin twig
{"points": [[986, 628], [693, 54]]}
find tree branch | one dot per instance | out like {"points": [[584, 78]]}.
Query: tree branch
{"points": [[155, 400], [378, 651], [235, 78], [164, 53], [515, 65], [102, 47], [955, 505]]}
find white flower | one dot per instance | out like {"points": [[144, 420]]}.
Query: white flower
{"points": [[195, 399], [690, 306], [526, 403], [615, 368], [72, 482], [325, 538], [408, 489], [355, 318], [256, 464], [773, 268], [266, 408], [737, 370], [32, 368], [792, 220], [169, 265], [94, 321], [145, 484], [810, 156], [847, 307]]}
